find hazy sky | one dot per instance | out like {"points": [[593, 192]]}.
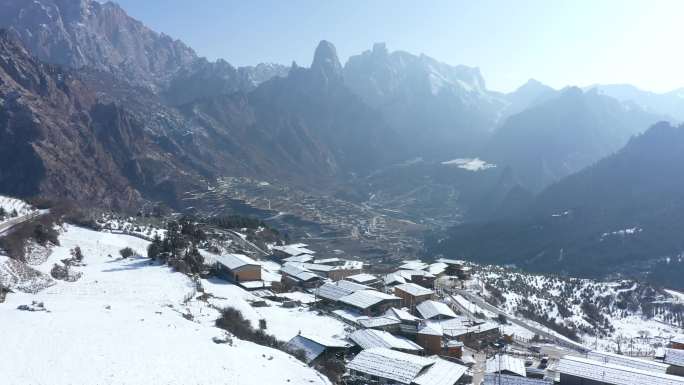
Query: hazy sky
{"points": [[573, 42]]}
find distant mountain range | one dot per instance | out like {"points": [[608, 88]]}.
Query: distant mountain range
{"points": [[147, 117], [625, 214]]}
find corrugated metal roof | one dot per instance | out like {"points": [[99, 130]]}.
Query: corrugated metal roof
{"points": [[414, 265], [299, 258], [414, 290], [298, 273], [311, 348], [613, 374], [364, 299], [674, 357], [504, 363], [448, 261], [636, 363], [368, 339], [376, 322], [442, 372], [352, 285], [437, 268], [409, 274], [332, 292], [502, 379], [431, 309], [294, 249], [403, 315], [678, 339], [394, 278], [235, 261], [362, 278], [389, 364]]}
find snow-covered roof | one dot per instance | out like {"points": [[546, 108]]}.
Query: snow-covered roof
{"points": [[437, 268], [448, 261], [442, 372], [636, 363], [333, 292], [235, 261], [363, 299], [362, 278], [376, 322], [389, 364], [613, 374], [351, 285], [432, 329], [402, 314], [369, 338], [313, 346], [328, 261], [414, 265], [298, 273], [294, 249], [413, 289], [674, 357], [431, 309], [299, 258], [505, 363], [502, 379], [409, 274], [393, 278], [679, 339], [250, 285]]}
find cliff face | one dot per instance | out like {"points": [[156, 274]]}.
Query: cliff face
{"points": [[85, 33]]}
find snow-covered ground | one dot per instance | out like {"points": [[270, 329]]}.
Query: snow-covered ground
{"points": [[13, 204], [122, 323], [470, 164]]}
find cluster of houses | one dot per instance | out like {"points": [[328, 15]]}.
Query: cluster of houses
{"points": [[405, 332]]}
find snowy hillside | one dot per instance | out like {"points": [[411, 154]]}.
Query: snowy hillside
{"points": [[12, 206], [604, 315], [132, 321]]}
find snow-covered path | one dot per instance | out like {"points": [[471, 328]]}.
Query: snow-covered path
{"points": [[121, 323]]}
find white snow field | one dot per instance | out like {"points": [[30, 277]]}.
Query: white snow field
{"points": [[121, 323]]}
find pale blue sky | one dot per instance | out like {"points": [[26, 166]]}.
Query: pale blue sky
{"points": [[559, 42]]}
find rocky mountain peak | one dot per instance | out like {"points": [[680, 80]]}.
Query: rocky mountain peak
{"points": [[326, 62]]}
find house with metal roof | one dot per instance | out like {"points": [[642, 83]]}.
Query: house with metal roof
{"points": [[370, 302], [503, 379], [298, 276], [677, 342], [383, 322], [505, 364], [636, 363], [369, 338], [434, 310], [291, 250], [412, 294], [364, 279], [237, 268], [387, 366], [579, 370], [675, 358], [304, 258], [315, 347]]}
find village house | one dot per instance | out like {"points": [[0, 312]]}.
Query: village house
{"points": [[434, 310], [366, 279], [505, 364], [411, 294], [237, 268], [292, 250], [580, 371], [317, 348], [419, 277], [294, 276], [675, 358], [677, 342], [369, 338], [385, 366], [503, 379], [369, 302]]}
